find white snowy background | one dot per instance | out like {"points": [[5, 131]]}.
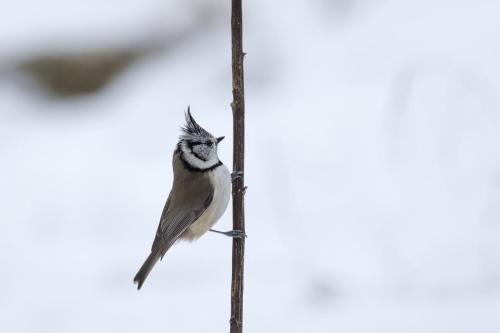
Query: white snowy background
{"points": [[373, 167]]}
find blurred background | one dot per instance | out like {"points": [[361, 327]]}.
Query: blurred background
{"points": [[372, 164]]}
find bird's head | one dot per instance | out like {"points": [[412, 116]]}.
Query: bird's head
{"points": [[197, 146]]}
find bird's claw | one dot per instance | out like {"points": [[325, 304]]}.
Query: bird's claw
{"points": [[236, 175], [237, 234]]}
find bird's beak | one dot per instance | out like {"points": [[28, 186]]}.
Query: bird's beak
{"points": [[219, 139]]}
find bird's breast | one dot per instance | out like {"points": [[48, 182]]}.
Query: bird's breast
{"points": [[220, 179]]}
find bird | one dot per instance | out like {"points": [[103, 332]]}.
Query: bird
{"points": [[199, 196]]}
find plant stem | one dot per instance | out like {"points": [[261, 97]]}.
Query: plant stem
{"points": [[238, 108]]}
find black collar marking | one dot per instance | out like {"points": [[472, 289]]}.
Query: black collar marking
{"points": [[195, 169]]}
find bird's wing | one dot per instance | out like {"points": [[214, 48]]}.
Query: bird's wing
{"points": [[186, 203], [158, 234]]}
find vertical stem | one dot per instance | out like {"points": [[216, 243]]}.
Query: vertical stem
{"points": [[238, 107]]}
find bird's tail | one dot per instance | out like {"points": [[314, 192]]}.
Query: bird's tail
{"points": [[146, 268]]}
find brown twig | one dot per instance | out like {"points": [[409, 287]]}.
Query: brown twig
{"points": [[238, 107]]}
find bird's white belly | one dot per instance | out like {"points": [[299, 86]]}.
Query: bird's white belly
{"points": [[221, 180]]}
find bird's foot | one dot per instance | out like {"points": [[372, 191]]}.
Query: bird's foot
{"points": [[231, 233], [236, 175]]}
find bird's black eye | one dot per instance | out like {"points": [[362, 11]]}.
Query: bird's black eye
{"points": [[194, 143], [210, 143]]}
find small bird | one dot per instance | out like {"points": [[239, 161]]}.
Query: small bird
{"points": [[199, 195]]}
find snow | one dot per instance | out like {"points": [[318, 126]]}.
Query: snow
{"points": [[372, 166]]}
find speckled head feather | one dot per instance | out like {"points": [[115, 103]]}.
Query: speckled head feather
{"points": [[192, 131], [197, 147]]}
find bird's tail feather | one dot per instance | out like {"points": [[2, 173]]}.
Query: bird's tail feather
{"points": [[146, 268]]}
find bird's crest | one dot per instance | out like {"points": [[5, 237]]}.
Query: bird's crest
{"points": [[192, 130]]}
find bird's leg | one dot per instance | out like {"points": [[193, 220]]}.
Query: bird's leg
{"points": [[236, 175], [231, 233]]}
